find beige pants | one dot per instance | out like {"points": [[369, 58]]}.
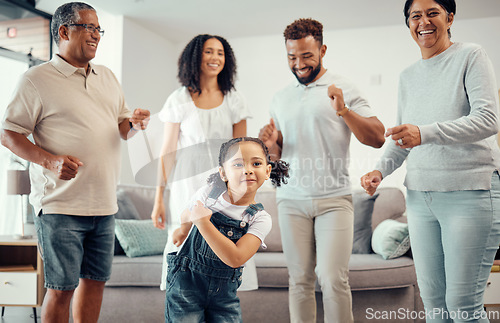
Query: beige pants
{"points": [[317, 242]]}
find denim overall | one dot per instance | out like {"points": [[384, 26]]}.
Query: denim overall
{"points": [[200, 287]]}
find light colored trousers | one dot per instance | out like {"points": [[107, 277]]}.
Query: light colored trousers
{"points": [[317, 242], [454, 237]]}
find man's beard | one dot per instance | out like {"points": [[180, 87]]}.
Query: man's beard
{"points": [[310, 78]]}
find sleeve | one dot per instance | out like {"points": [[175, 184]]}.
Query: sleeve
{"points": [[238, 107], [174, 107], [261, 226], [481, 122], [25, 109], [393, 156], [200, 195], [124, 111], [355, 101]]}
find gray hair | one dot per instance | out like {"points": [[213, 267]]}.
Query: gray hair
{"points": [[67, 14]]}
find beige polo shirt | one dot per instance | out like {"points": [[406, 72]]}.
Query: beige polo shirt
{"points": [[71, 113]]}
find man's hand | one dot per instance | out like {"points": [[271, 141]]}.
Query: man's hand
{"points": [[65, 167], [269, 134], [140, 119], [337, 98], [371, 181], [405, 135]]}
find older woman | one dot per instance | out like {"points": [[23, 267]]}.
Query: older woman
{"points": [[447, 122]]}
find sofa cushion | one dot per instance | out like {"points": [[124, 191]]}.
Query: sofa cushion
{"points": [[267, 196], [366, 271], [391, 239], [140, 237], [139, 271], [363, 209], [126, 210], [390, 204], [271, 269], [373, 272]]}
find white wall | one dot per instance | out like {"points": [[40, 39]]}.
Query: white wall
{"points": [[149, 69], [365, 56]]}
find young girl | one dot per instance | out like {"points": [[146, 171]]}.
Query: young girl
{"points": [[228, 229]]}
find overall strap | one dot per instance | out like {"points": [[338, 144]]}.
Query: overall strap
{"points": [[215, 192], [252, 209]]}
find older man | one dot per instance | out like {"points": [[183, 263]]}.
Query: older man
{"points": [[77, 113]]}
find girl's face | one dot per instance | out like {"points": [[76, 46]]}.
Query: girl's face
{"points": [[429, 24], [246, 169], [212, 59]]}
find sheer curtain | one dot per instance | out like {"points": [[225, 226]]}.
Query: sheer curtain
{"points": [[10, 205]]}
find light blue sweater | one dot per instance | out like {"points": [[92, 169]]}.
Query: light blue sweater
{"points": [[453, 99]]}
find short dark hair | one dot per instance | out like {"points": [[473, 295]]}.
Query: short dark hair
{"points": [[304, 27], [448, 5], [190, 63], [279, 168], [67, 14]]}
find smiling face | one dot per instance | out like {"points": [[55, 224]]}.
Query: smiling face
{"points": [[213, 58], [429, 23], [305, 58], [246, 169], [77, 46]]}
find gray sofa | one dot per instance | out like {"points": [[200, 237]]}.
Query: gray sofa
{"points": [[379, 287]]}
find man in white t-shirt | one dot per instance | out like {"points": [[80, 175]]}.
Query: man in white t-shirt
{"points": [[311, 126], [76, 112]]}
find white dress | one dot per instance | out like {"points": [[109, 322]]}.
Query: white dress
{"points": [[202, 131]]}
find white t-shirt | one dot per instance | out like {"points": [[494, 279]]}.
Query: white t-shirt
{"points": [[259, 224], [196, 160], [316, 140]]}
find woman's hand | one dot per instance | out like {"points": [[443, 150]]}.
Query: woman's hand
{"points": [[405, 135], [158, 214], [371, 181]]}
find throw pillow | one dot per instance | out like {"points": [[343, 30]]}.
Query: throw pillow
{"points": [[126, 210], [390, 239], [363, 209], [140, 237]]}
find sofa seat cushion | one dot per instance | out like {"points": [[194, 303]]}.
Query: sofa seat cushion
{"points": [[139, 271], [271, 269], [373, 272]]}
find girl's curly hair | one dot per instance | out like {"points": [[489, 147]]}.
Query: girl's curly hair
{"points": [[279, 168], [190, 63]]}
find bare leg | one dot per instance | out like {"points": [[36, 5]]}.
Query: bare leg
{"points": [[87, 301], [55, 307]]}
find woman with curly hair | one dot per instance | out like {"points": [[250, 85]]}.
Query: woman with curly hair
{"points": [[198, 117]]}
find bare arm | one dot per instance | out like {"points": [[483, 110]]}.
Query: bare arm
{"points": [[165, 166], [180, 234], [233, 255], [369, 131], [64, 166], [240, 129]]}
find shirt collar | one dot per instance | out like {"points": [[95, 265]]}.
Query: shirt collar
{"points": [[67, 69], [325, 79]]}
